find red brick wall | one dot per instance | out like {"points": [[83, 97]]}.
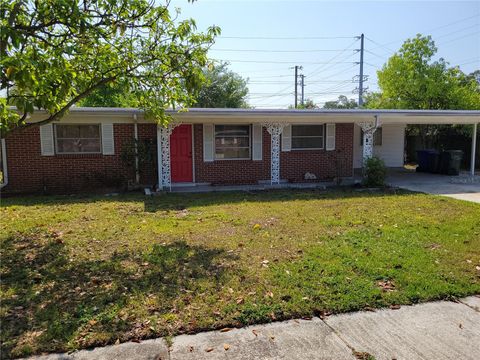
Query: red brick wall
{"points": [[326, 165], [30, 172], [230, 171]]}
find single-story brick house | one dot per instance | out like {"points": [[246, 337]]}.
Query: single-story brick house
{"points": [[84, 151]]}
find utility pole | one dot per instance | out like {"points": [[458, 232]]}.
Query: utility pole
{"points": [[360, 80], [297, 67], [296, 83], [302, 84]]}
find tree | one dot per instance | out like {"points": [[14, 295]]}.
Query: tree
{"points": [[223, 89], [411, 80], [115, 94], [307, 105], [342, 103], [55, 53]]}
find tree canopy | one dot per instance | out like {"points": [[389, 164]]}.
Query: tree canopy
{"points": [[223, 89], [115, 94], [412, 80], [55, 53], [308, 104], [342, 103]]}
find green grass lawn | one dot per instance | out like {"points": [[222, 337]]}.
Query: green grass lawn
{"points": [[85, 271]]}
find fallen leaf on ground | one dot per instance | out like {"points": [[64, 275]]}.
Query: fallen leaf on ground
{"points": [[209, 349], [226, 347], [362, 355], [225, 329], [255, 332], [394, 307], [386, 285]]}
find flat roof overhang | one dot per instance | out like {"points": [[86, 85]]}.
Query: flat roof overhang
{"points": [[197, 115]]}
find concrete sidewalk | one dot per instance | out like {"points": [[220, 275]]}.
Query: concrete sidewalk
{"points": [[438, 330]]}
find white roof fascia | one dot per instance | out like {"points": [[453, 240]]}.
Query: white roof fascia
{"points": [[194, 115]]}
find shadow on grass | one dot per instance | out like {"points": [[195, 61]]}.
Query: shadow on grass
{"points": [[51, 299], [179, 201]]}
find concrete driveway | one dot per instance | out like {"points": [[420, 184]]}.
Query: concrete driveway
{"points": [[458, 187]]}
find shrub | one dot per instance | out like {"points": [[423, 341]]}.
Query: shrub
{"points": [[374, 172]]}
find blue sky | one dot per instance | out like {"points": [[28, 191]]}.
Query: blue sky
{"points": [[269, 37]]}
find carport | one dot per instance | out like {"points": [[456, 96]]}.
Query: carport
{"points": [[466, 186], [392, 125]]}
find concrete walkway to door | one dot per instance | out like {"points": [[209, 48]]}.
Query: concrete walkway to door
{"points": [[459, 187]]}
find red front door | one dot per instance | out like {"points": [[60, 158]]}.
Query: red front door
{"points": [[181, 154]]}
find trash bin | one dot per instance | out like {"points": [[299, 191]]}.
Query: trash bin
{"points": [[455, 160], [428, 160], [423, 159], [433, 161], [444, 162]]}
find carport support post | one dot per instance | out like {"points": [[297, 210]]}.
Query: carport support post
{"points": [[165, 132], [474, 149], [275, 130], [368, 129]]}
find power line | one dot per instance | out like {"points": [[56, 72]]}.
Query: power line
{"points": [[286, 38], [384, 46], [277, 51], [339, 72], [275, 62], [310, 82], [372, 53], [477, 61], [459, 38], [333, 58], [455, 22], [457, 31]]}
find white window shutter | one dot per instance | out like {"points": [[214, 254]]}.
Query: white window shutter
{"points": [[287, 138], [330, 143], [208, 139], [108, 144], [46, 140], [257, 142]]}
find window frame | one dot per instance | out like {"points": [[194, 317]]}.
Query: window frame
{"points": [[230, 159], [55, 135], [306, 149]]}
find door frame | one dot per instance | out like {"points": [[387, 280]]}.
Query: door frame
{"points": [[193, 156]]}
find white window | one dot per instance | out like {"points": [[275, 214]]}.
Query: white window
{"points": [[232, 142], [307, 137], [75, 139]]}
